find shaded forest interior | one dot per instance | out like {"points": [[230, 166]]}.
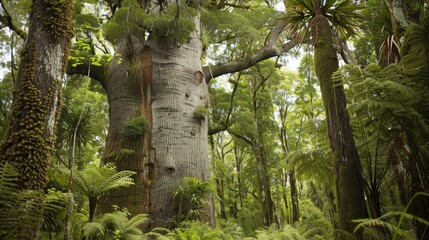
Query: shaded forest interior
{"points": [[214, 119]]}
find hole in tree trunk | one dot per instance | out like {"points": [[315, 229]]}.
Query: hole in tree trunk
{"points": [[170, 170]]}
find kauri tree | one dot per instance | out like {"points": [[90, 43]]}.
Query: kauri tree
{"points": [[155, 86]]}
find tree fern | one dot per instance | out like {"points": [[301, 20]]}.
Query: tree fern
{"points": [[96, 182], [311, 164], [27, 211], [115, 225]]}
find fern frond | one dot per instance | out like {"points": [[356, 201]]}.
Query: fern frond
{"points": [[93, 229], [136, 221], [54, 211]]}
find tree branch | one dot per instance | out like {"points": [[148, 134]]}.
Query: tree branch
{"points": [[244, 138], [224, 126], [269, 50], [6, 21], [97, 73]]}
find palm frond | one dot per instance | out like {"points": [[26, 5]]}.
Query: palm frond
{"points": [[342, 14]]}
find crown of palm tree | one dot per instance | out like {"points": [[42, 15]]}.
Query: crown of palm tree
{"points": [[342, 14]]}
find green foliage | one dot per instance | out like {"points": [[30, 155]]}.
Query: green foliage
{"points": [[6, 87], [312, 164], [129, 19], [313, 224], [201, 112], [341, 13], [415, 59], [386, 221], [190, 198], [200, 231], [72, 122], [175, 23], [25, 212], [250, 218], [94, 182], [287, 233], [135, 127], [116, 225]]}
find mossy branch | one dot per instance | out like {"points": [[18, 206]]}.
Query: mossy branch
{"points": [[7, 21]]}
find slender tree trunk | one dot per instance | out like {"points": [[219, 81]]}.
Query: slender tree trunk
{"points": [[219, 182], [419, 183], [348, 176], [293, 197], [264, 185], [163, 82], [238, 156]]}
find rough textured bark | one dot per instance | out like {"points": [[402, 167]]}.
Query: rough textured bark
{"points": [[126, 102], [29, 142], [163, 82], [349, 181], [179, 138]]}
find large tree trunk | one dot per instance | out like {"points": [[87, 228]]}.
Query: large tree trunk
{"points": [[348, 176], [162, 81], [29, 142]]}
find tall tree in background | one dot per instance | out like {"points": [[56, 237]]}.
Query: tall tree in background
{"points": [[322, 17], [29, 142]]}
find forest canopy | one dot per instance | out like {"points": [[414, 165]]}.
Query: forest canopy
{"points": [[220, 119]]}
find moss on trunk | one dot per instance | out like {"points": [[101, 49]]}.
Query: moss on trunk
{"points": [[30, 137], [349, 181]]}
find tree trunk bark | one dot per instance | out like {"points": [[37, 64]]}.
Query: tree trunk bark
{"points": [[348, 176], [162, 81], [29, 142], [293, 197]]}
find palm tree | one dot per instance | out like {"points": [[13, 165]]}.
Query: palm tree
{"points": [[318, 20]]}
